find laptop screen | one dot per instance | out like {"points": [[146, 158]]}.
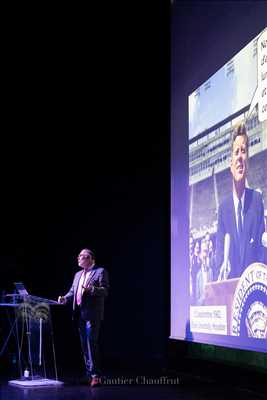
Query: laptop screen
{"points": [[21, 288]]}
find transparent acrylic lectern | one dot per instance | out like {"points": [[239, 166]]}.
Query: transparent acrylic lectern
{"points": [[31, 325]]}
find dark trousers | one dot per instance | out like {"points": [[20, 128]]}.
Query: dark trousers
{"points": [[89, 333]]}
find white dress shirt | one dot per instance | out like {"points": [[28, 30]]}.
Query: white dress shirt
{"points": [[85, 276]]}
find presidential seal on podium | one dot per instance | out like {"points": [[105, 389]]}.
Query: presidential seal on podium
{"points": [[249, 307]]}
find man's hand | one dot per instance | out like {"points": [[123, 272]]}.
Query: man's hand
{"points": [[61, 300], [88, 289]]}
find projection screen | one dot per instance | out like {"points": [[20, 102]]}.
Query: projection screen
{"points": [[219, 295]]}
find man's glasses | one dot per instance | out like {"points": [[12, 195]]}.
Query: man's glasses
{"points": [[83, 256]]}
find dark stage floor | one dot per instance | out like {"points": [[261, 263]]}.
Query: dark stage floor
{"points": [[132, 387]]}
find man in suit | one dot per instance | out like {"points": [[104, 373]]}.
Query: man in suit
{"points": [[87, 293], [241, 216]]}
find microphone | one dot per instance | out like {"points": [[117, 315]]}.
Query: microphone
{"points": [[226, 267], [227, 241], [264, 239]]}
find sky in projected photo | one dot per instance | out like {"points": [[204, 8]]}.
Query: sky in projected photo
{"points": [[229, 92]]}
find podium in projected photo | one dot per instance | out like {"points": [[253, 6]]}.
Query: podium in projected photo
{"points": [[31, 325], [245, 300], [221, 294]]}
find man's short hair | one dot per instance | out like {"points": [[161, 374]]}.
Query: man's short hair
{"points": [[90, 252], [240, 130]]}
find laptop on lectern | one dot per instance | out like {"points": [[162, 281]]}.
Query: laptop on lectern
{"points": [[21, 289]]}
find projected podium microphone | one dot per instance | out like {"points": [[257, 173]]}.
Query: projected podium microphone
{"points": [[221, 292], [31, 325], [226, 266]]}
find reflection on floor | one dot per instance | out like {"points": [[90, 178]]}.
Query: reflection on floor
{"points": [[118, 386]]}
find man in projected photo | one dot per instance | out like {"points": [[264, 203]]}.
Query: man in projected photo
{"points": [[240, 216], [195, 265], [87, 293], [205, 274]]}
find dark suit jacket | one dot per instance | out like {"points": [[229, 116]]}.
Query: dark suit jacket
{"points": [[92, 306], [249, 249]]}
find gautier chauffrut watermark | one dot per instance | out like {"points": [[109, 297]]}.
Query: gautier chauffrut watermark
{"points": [[139, 380]]}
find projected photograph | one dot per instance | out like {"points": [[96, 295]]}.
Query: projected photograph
{"points": [[227, 282]]}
